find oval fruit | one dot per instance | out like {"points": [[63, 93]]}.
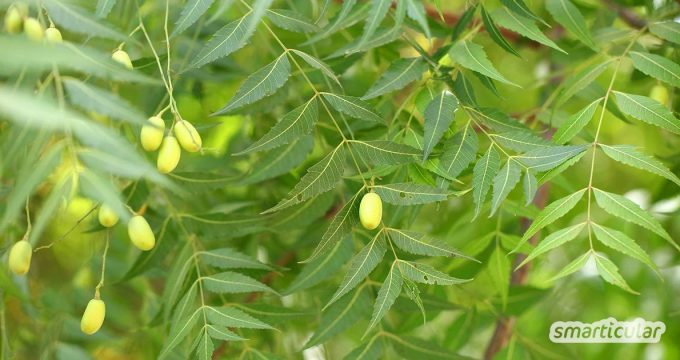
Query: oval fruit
{"points": [[370, 211], [93, 317], [168, 156], [13, 20], [152, 134], [33, 29], [187, 136], [107, 217], [20, 257], [53, 36], [122, 57], [660, 94], [140, 233]]}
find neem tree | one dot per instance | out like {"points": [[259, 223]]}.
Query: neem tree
{"points": [[318, 164]]}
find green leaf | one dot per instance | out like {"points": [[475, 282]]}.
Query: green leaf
{"points": [[577, 82], [291, 20], [191, 12], [473, 57], [382, 152], [413, 348], [550, 213], [338, 22], [482, 177], [340, 226], [421, 244], [520, 8], [556, 239], [524, 26], [102, 101], [320, 178], [625, 209], [572, 267], [370, 350], [353, 107], [317, 64], [279, 161], [575, 123], [410, 193], [231, 317], [75, 19], [504, 182], [610, 273], [388, 293], [222, 333], [104, 8], [459, 152], [570, 17], [340, 316], [549, 158], [462, 88], [648, 110], [667, 30], [225, 41], [463, 22], [496, 35], [657, 66], [622, 243], [439, 115], [399, 74], [495, 119], [228, 258], [416, 11], [301, 215], [362, 264], [628, 154], [426, 274], [260, 84], [230, 282], [205, 347], [530, 186], [520, 140], [321, 268], [499, 269], [291, 127], [376, 15]]}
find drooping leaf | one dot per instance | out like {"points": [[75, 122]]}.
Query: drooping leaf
{"points": [[225, 41], [340, 226], [579, 81], [575, 123], [648, 110], [667, 30], [291, 127], [439, 115], [102, 101], [572, 267], [416, 11], [459, 152], [230, 316], [381, 152], [317, 64], [610, 273], [191, 12], [495, 33], [519, 7], [549, 158], [463, 22], [78, 20], [570, 17], [409, 193], [361, 265], [622, 243], [321, 268], [524, 26], [376, 15], [233, 282], [205, 347], [625, 209], [496, 119], [303, 214], [340, 316], [426, 274], [473, 57], [629, 155], [338, 22], [260, 84], [554, 240], [421, 244], [482, 177], [354, 107], [320, 178], [291, 20], [657, 66], [552, 212], [280, 161], [520, 140], [504, 182], [400, 73], [388, 293], [228, 258]]}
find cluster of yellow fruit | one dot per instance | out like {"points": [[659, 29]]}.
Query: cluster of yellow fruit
{"points": [[153, 137], [17, 19], [139, 231], [370, 211]]}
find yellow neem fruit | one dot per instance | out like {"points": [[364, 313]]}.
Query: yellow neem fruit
{"points": [[370, 211], [140, 233], [168, 156], [13, 20], [33, 29], [152, 134], [122, 57], [107, 217], [20, 257], [53, 36], [187, 136], [93, 317], [660, 94]]}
